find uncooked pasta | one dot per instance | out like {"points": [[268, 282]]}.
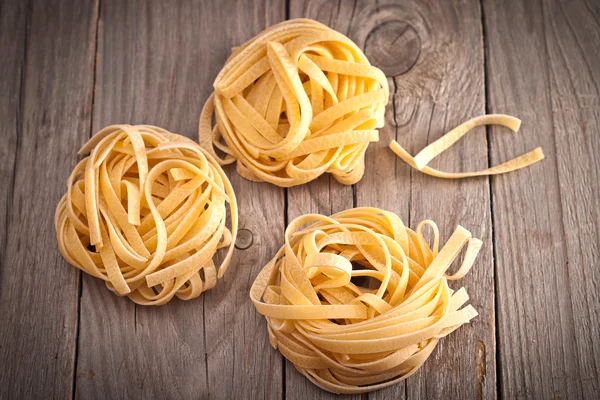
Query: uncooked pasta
{"points": [[294, 102], [421, 160], [358, 301], [146, 212]]}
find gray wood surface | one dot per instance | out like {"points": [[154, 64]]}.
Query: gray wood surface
{"points": [[50, 49], [322, 196], [69, 68], [144, 67], [541, 66], [12, 45], [241, 362], [437, 81]]}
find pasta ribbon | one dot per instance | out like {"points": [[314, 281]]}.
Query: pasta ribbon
{"points": [[146, 213], [296, 101], [357, 301], [421, 160]]}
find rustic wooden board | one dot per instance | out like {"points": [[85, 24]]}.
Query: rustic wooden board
{"points": [[146, 73], [75, 67], [13, 25], [322, 196], [417, 51], [182, 350], [435, 62], [541, 61], [390, 44], [241, 362], [49, 54]]}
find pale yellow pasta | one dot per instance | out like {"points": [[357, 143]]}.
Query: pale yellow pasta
{"points": [[294, 102], [357, 301], [421, 160], [146, 213]]}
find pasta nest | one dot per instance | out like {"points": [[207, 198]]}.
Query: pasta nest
{"points": [[146, 213], [357, 301], [294, 102]]}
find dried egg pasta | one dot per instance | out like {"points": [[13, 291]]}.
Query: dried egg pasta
{"points": [[349, 336], [294, 102], [421, 160], [146, 212]]}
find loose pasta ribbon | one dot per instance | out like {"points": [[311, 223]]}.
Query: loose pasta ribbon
{"points": [[294, 102], [146, 213], [357, 301], [420, 161]]}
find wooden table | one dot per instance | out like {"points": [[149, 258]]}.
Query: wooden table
{"points": [[69, 68]]}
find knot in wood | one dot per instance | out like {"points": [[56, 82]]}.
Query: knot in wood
{"points": [[393, 46], [244, 239]]}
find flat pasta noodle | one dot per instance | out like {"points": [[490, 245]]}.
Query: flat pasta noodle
{"points": [[294, 102], [357, 301], [421, 160], [146, 212]]}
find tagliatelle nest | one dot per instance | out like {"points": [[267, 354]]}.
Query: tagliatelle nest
{"points": [[348, 336], [146, 212], [294, 102]]}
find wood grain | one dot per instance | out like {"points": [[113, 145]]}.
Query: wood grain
{"points": [[435, 62], [70, 68], [151, 71], [546, 217], [147, 73], [241, 362], [49, 54], [13, 26], [322, 196]]}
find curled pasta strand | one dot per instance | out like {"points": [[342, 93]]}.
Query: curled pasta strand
{"points": [[357, 301], [296, 101], [146, 213], [420, 161]]}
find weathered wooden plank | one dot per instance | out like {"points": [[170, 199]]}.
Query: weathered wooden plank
{"points": [[12, 46], [46, 101], [402, 41], [434, 52], [147, 72], [541, 68], [386, 44], [322, 196], [241, 362], [386, 183]]}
